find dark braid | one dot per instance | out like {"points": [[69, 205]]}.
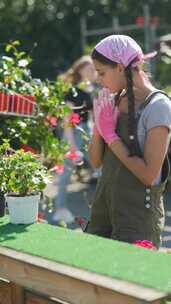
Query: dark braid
{"points": [[131, 111], [117, 98]]}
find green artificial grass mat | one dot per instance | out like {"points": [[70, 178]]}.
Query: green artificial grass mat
{"points": [[103, 256]]}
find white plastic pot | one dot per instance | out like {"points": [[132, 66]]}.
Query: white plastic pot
{"points": [[23, 209]]}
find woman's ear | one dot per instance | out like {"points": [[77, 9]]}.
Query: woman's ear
{"points": [[121, 67]]}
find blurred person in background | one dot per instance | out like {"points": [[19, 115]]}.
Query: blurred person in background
{"points": [[82, 77]]}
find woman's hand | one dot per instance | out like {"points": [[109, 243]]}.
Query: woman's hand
{"points": [[107, 116], [97, 104]]}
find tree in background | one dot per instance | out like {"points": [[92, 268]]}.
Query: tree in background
{"points": [[50, 29]]}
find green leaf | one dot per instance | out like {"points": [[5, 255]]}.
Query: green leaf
{"points": [[8, 48]]}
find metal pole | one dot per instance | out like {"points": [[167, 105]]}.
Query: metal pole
{"points": [[147, 28], [153, 44], [115, 24], [83, 28], [147, 33]]}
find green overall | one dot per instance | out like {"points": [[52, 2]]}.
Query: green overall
{"points": [[124, 208]]}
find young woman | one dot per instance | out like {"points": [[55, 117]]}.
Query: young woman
{"points": [[130, 142]]}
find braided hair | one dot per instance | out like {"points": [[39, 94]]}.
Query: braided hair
{"points": [[131, 111]]}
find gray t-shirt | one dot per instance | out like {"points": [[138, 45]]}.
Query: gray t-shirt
{"points": [[156, 113]]}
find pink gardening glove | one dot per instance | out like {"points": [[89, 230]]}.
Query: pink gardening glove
{"points": [[96, 111], [107, 117]]}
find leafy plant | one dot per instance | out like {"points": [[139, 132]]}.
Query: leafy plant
{"points": [[43, 133], [21, 173], [38, 133]]}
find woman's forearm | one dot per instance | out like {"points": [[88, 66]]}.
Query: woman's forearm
{"points": [[96, 151], [142, 169]]}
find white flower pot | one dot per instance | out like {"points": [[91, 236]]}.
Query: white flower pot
{"points": [[23, 209]]}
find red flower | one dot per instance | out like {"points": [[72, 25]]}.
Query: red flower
{"points": [[59, 168], [52, 120], [40, 215], [76, 156], [74, 118], [81, 221], [71, 155], [27, 148], [145, 244]]}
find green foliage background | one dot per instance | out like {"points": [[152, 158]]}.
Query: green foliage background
{"points": [[50, 29]]}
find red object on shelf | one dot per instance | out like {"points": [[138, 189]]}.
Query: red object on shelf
{"points": [[153, 20], [17, 104], [21, 104], [139, 20], [4, 99]]}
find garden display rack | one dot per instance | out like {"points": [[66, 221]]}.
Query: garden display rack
{"points": [[16, 104]]}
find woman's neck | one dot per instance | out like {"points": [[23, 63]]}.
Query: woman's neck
{"points": [[142, 86], [142, 89]]}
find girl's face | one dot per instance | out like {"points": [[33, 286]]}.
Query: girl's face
{"points": [[88, 72], [111, 77]]}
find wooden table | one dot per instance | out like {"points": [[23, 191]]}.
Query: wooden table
{"points": [[45, 264]]}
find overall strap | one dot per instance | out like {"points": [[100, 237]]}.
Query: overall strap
{"points": [[138, 115], [166, 164], [149, 98]]}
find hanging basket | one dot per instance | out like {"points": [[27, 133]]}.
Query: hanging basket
{"points": [[23, 210], [18, 105]]}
